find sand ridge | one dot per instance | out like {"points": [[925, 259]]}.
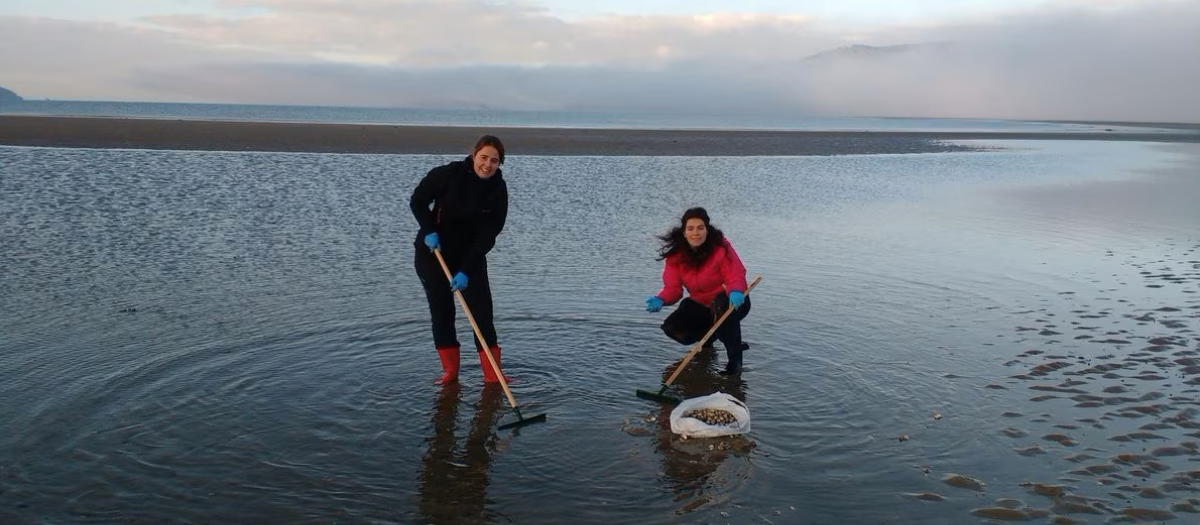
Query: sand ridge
{"points": [[211, 135]]}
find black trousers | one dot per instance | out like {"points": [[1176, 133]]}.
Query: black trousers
{"points": [[691, 320], [478, 295]]}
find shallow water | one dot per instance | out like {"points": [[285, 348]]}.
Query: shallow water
{"points": [[547, 119], [192, 337]]}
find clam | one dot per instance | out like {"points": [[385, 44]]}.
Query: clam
{"points": [[712, 416]]}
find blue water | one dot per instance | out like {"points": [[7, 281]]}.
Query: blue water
{"points": [[555, 119], [223, 337]]}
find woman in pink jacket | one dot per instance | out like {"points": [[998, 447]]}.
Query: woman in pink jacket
{"points": [[698, 258]]}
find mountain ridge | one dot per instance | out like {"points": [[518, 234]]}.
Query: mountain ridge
{"points": [[856, 51], [7, 96]]}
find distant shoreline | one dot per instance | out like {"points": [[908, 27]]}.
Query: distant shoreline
{"points": [[1128, 124], [217, 135]]}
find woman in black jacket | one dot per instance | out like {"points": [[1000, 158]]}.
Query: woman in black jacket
{"points": [[469, 206]]}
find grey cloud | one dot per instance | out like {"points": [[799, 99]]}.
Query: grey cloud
{"points": [[1138, 62], [677, 87], [66, 59], [468, 32]]}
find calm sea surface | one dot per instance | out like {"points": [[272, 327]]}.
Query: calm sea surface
{"points": [[212, 337], [552, 119]]}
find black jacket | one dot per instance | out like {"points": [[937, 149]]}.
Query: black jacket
{"points": [[468, 212]]}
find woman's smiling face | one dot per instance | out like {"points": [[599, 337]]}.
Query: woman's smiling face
{"points": [[485, 161], [695, 232]]}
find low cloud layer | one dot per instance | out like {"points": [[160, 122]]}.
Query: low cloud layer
{"points": [[1119, 60]]}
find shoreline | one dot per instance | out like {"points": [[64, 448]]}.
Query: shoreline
{"points": [[222, 135], [1186, 126]]}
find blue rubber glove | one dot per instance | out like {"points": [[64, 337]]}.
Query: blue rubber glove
{"points": [[432, 241], [736, 298], [459, 281], [653, 303]]}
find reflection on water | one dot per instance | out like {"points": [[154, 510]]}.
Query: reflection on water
{"points": [[690, 465], [694, 471], [454, 475], [237, 338]]}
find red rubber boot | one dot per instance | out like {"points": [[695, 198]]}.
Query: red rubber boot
{"points": [[449, 356], [489, 374]]}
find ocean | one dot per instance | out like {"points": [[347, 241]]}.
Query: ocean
{"points": [[551, 119], [963, 337]]}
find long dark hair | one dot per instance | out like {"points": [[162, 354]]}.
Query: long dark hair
{"points": [[674, 241]]}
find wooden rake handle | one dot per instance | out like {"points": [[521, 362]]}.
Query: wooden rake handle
{"points": [[487, 352], [700, 344]]}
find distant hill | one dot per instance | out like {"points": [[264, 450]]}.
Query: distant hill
{"points": [[859, 51], [8, 97]]}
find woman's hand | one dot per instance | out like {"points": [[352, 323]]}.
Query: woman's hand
{"points": [[459, 281], [736, 298], [432, 242], [653, 303]]}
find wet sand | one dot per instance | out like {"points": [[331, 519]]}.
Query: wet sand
{"points": [[93, 132], [1112, 375], [1128, 371], [1116, 383]]}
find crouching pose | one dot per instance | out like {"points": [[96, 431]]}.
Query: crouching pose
{"points": [[699, 259]]}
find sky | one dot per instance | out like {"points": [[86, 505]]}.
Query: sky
{"points": [[1034, 59]]}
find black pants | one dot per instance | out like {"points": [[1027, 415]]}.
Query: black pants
{"points": [[691, 320], [478, 295]]}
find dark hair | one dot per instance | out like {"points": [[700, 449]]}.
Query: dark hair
{"points": [[674, 241], [489, 140]]}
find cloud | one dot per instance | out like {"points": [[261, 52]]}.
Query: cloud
{"points": [[1110, 59], [96, 60], [473, 32], [1130, 61]]}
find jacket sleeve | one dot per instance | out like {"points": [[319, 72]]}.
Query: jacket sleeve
{"points": [[733, 272], [426, 193], [672, 290], [492, 221]]}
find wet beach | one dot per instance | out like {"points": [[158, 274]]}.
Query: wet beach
{"points": [[1003, 331], [212, 135], [1101, 395]]}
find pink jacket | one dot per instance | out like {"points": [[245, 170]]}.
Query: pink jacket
{"points": [[722, 271]]}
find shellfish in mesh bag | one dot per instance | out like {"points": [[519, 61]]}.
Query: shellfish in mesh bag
{"points": [[718, 414], [712, 416]]}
